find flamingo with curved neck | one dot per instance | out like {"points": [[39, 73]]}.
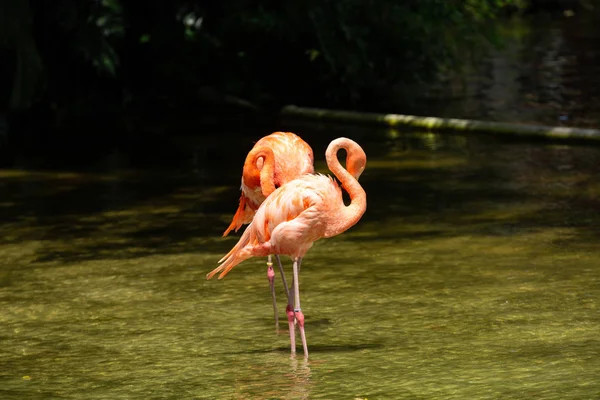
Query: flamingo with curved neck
{"points": [[259, 170], [299, 213], [273, 161]]}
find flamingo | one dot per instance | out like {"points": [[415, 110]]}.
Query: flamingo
{"points": [[273, 161], [299, 213]]}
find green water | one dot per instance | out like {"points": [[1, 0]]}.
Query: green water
{"points": [[474, 274]]}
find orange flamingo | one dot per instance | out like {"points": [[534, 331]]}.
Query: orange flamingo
{"points": [[297, 214], [273, 161]]}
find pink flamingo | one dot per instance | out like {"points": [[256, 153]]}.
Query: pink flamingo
{"points": [[273, 161], [299, 213]]}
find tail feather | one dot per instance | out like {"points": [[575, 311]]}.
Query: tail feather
{"points": [[238, 218], [235, 256]]}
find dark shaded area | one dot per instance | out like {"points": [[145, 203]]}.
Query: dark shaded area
{"points": [[448, 183], [90, 77]]}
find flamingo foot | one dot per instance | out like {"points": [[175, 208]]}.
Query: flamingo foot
{"points": [[290, 314]]}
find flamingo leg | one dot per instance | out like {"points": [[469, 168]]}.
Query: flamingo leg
{"points": [[289, 310], [297, 310], [285, 285], [291, 315], [271, 277]]}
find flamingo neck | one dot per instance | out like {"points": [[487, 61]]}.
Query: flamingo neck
{"points": [[351, 214], [259, 170]]}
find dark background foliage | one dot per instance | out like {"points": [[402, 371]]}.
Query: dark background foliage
{"points": [[119, 66]]}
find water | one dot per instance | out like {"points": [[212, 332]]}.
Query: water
{"points": [[473, 274], [545, 72]]}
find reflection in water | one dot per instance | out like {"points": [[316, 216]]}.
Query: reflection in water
{"points": [[279, 381], [473, 274], [545, 72], [300, 375]]}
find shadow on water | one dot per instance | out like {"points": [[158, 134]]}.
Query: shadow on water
{"points": [[343, 348], [462, 181]]}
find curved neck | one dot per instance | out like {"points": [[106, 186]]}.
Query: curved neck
{"points": [[259, 170], [355, 161], [352, 213]]}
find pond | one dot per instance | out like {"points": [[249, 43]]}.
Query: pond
{"points": [[475, 273], [543, 69]]}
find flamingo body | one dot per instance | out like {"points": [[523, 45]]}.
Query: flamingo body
{"points": [[288, 222], [273, 161]]}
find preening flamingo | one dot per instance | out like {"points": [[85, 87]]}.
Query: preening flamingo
{"points": [[299, 213], [273, 161]]}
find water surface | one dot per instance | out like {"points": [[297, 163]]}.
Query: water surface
{"points": [[542, 69], [474, 274]]}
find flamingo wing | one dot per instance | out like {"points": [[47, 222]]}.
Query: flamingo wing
{"points": [[287, 222]]}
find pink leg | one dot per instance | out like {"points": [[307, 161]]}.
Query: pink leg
{"points": [[285, 285], [297, 310], [300, 321], [290, 314], [271, 277]]}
